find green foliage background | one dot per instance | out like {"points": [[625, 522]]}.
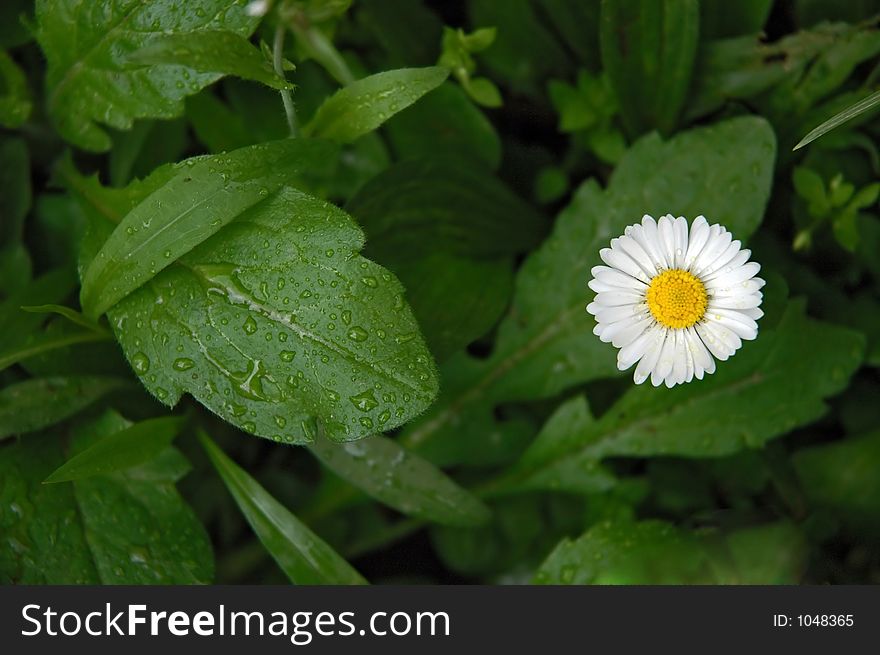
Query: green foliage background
{"points": [[300, 296]]}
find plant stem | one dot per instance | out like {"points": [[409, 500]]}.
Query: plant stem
{"points": [[286, 98]]}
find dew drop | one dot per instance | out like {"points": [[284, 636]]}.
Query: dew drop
{"points": [[364, 401], [280, 421], [250, 325], [370, 281], [140, 362], [182, 364], [287, 355], [357, 333]]}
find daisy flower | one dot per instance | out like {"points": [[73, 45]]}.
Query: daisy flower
{"points": [[675, 300]]}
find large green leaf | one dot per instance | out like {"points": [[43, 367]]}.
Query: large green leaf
{"points": [[386, 471], [40, 402], [648, 50], [275, 323], [546, 343], [765, 391], [655, 552], [187, 203], [303, 556], [364, 105], [90, 78], [130, 527]]}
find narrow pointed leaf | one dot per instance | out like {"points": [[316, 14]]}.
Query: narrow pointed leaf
{"points": [[202, 195], [839, 119], [383, 469], [303, 556], [364, 105], [131, 446]]}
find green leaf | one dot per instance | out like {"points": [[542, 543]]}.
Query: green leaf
{"points": [[88, 46], [276, 323], [364, 105], [655, 552], [129, 527], [448, 229], [445, 122], [402, 480], [15, 103], [188, 203], [40, 402], [199, 52], [545, 345], [303, 556], [839, 119], [129, 447], [765, 391], [483, 91], [648, 51], [811, 187], [841, 478]]}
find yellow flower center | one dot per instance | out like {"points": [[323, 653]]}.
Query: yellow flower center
{"points": [[677, 299]]}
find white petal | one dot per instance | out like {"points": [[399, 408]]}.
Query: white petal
{"points": [[740, 328], [680, 227], [630, 333], [720, 341], [616, 298], [613, 314], [702, 357], [652, 239], [638, 254], [613, 277], [718, 243], [652, 354], [664, 364], [735, 276], [623, 262], [679, 362], [698, 238], [744, 301], [634, 351], [753, 313], [666, 232], [732, 257]]}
